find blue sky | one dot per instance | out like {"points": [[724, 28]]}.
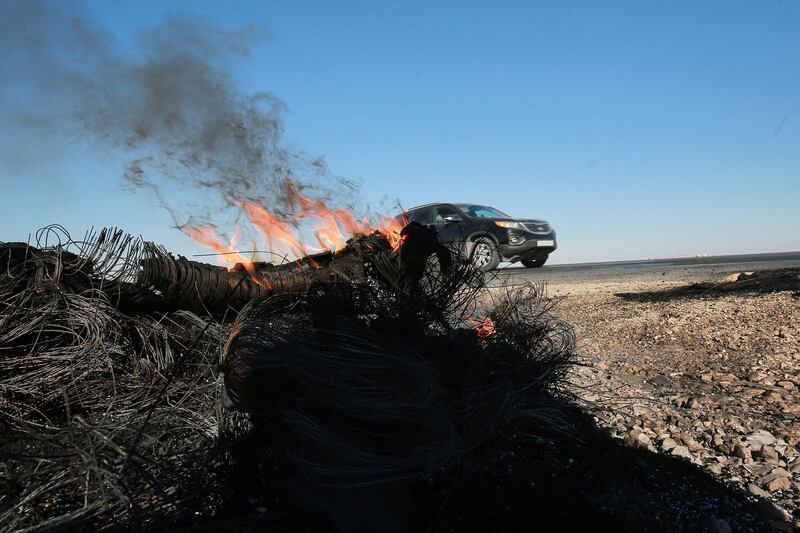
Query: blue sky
{"points": [[639, 129]]}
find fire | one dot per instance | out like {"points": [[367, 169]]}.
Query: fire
{"points": [[484, 328], [282, 234], [208, 236], [391, 227], [275, 232], [330, 222]]}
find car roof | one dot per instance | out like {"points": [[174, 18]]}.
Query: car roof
{"points": [[422, 206], [437, 203]]}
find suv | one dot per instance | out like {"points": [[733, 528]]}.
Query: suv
{"points": [[487, 235]]}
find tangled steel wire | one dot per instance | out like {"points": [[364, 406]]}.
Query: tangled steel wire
{"points": [[367, 373]]}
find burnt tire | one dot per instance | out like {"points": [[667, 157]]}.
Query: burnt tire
{"points": [[484, 255], [534, 263]]}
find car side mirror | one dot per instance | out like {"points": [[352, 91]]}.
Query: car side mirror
{"points": [[452, 218]]}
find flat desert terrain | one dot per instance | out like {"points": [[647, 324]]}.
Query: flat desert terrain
{"points": [[702, 364]]}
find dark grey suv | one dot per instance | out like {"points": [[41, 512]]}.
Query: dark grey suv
{"points": [[487, 235]]}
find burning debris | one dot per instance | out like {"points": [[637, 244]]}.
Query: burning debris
{"points": [[348, 369]]}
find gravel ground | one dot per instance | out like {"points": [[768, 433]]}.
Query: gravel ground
{"points": [[702, 368]]}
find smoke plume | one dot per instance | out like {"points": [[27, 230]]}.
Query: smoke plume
{"points": [[172, 104]]}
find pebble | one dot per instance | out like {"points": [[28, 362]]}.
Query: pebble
{"points": [[681, 451], [762, 438], [773, 397], [743, 452], [690, 443], [772, 483], [668, 444], [792, 409], [759, 469], [769, 454], [732, 406], [757, 491]]}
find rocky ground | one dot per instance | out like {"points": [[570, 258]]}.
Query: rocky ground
{"points": [[707, 370]]}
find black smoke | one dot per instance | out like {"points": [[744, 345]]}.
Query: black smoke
{"points": [[172, 104]]}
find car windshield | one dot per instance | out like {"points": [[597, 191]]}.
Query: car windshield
{"points": [[482, 211]]}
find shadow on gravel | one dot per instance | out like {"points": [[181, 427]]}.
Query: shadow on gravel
{"points": [[765, 281], [554, 483], [598, 485]]}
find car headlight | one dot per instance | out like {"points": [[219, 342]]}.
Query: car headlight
{"points": [[509, 224]]}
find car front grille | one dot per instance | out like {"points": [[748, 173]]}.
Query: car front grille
{"points": [[537, 228]]}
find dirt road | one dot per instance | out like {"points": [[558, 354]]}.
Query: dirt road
{"points": [[696, 361]]}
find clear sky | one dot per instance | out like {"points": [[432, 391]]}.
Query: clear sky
{"points": [[638, 129]]}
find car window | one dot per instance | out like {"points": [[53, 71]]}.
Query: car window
{"points": [[483, 211], [441, 212], [420, 215]]}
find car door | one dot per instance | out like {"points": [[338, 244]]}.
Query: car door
{"points": [[450, 225]]}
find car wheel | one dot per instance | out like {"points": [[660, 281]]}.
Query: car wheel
{"points": [[484, 255], [534, 263]]}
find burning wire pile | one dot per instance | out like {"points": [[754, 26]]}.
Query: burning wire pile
{"points": [[80, 383], [353, 369]]}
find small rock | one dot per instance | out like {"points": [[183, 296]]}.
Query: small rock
{"points": [[757, 491], [781, 447], [743, 452], [668, 444], [792, 439], [769, 453], [780, 472], [779, 483], [660, 381], [714, 469], [681, 451], [786, 385], [759, 469], [690, 443], [773, 396], [765, 438], [792, 409], [642, 440], [694, 403]]}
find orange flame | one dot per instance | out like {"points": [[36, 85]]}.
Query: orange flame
{"points": [[282, 234], [391, 227], [484, 328], [327, 231], [208, 236], [273, 230]]}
